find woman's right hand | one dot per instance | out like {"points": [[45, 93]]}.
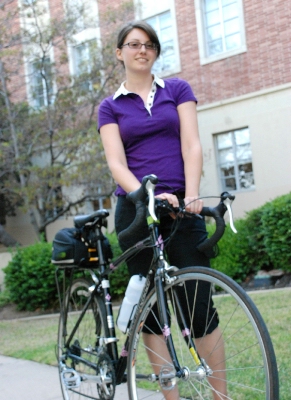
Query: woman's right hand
{"points": [[171, 198]]}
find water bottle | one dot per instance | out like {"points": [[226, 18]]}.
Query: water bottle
{"points": [[129, 303]]}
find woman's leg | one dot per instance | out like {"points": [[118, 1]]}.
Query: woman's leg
{"points": [[215, 359], [183, 252], [158, 355]]}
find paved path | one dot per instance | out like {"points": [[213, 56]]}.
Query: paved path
{"points": [[28, 380]]}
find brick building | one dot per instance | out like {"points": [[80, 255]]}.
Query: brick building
{"points": [[236, 55]]}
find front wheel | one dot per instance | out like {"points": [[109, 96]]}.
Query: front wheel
{"points": [[78, 378], [238, 360]]}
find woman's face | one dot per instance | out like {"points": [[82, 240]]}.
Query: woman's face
{"points": [[137, 59]]}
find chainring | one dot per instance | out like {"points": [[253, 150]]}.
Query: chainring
{"points": [[105, 370]]}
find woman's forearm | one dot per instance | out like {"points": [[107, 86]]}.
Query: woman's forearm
{"points": [[124, 177], [116, 158], [193, 169]]}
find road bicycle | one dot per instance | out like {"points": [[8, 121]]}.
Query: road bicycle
{"points": [[92, 361]]}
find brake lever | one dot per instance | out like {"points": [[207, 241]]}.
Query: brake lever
{"points": [[151, 207], [227, 203]]}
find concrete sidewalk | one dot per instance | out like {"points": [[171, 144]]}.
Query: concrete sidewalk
{"points": [[28, 380]]}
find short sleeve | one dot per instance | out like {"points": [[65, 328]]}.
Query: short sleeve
{"points": [[183, 92], [105, 113]]}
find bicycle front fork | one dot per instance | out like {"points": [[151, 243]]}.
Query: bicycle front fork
{"points": [[162, 278]]}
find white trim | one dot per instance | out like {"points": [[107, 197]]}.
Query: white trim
{"points": [[251, 95]]}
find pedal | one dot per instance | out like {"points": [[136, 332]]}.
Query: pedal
{"points": [[70, 378]]}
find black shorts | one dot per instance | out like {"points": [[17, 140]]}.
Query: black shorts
{"points": [[181, 252]]}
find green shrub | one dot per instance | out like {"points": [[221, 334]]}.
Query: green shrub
{"points": [[120, 277], [29, 277], [257, 254], [263, 241], [276, 231], [233, 253], [4, 298]]}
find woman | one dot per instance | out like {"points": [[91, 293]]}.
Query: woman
{"points": [[149, 126]]}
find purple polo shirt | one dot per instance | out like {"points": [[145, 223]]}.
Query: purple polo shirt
{"points": [[151, 139]]}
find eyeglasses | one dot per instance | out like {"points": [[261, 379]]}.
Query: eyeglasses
{"points": [[138, 45]]}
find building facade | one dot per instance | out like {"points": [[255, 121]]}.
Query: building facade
{"points": [[236, 55]]}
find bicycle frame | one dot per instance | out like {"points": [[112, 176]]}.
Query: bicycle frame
{"points": [[158, 276]]}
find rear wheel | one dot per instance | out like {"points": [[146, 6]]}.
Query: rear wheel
{"points": [[240, 356], [79, 378]]}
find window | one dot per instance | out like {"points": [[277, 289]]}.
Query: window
{"points": [[83, 57], [162, 24], [41, 82], [235, 160], [220, 28], [161, 15]]}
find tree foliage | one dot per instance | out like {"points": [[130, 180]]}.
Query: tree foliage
{"points": [[50, 151]]}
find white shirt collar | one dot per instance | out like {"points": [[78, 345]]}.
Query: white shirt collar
{"points": [[122, 89]]}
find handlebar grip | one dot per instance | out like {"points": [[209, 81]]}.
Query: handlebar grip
{"points": [[141, 193], [216, 213], [138, 197], [139, 219]]}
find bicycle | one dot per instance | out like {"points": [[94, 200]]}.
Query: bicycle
{"points": [[91, 362]]}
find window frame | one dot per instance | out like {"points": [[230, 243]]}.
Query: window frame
{"points": [[35, 73], [77, 71], [238, 177], [201, 35]]}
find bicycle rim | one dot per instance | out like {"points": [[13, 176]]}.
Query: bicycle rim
{"points": [[74, 374], [246, 363]]}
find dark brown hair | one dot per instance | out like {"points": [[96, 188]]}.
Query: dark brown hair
{"points": [[138, 25]]}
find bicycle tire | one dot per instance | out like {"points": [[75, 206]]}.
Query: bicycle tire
{"points": [[250, 363], [74, 384]]}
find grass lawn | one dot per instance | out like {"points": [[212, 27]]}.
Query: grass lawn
{"points": [[35, 339]]}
